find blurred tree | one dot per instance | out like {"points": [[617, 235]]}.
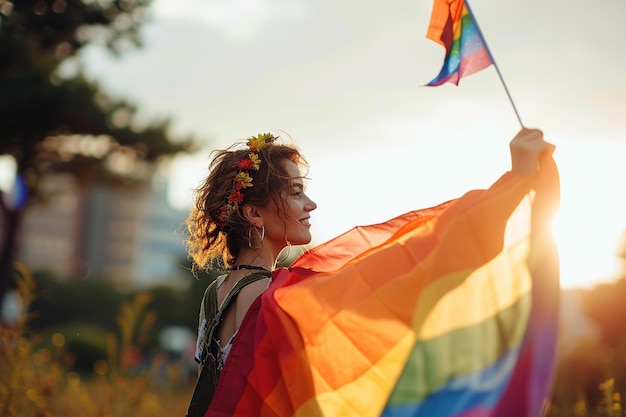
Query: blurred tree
{"points": [[54, 120]]}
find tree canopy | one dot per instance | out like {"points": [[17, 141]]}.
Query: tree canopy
{"points": [[44, 113]]}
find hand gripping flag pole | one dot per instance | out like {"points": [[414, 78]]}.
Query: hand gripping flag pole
{"points": [[453, 26]]}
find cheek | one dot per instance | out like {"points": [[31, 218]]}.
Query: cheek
{"points": [[292, 210]]}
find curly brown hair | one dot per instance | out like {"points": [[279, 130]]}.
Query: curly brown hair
{"points": [[213, 247]]}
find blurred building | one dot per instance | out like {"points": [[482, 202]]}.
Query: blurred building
{"points": [[51, 232], [130, 235]]}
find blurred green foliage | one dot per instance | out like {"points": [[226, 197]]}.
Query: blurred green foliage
{"points": [[85, 311]]}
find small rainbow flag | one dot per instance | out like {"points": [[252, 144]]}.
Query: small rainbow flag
{"points": [[449, 311], [453, 26]]}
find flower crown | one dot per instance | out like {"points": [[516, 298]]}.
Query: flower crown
{"points": [[243, 180]]}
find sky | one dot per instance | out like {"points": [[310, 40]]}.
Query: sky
{"points": [[343, 80]]}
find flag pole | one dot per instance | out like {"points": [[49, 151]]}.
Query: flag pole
{"points": [[519, 119]]}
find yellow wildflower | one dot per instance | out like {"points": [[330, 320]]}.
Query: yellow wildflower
{"points": [[256, 161], [244, 179]]}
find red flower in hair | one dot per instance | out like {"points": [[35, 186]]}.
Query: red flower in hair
{"points": [[245, 164], [235, 197]]}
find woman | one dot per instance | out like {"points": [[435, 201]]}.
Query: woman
{"points": [[250, 207]]}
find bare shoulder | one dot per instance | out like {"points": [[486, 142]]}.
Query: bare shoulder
{"points": [[253, 290], [246, 297]]}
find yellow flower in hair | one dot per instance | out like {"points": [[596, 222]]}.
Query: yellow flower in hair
{"points": [[260, 142], [244, 179], [256, 161]]}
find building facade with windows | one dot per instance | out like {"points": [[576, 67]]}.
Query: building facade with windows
{"points": [[129, 235]]}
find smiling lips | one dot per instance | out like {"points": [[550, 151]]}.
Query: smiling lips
{"points": [[305, 221]]}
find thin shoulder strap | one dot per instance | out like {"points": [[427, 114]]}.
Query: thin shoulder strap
{"points": [[210, 300]]}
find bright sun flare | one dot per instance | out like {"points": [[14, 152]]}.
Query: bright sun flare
{"points": [[592, 218]]}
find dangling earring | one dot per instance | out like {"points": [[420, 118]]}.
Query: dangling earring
{"points": [[261, 236]]}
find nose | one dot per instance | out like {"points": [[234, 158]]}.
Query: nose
{"points": [[310, 204]]}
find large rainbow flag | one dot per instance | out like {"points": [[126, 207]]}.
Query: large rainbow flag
{"points": [[448, 311], [453, 26]]}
